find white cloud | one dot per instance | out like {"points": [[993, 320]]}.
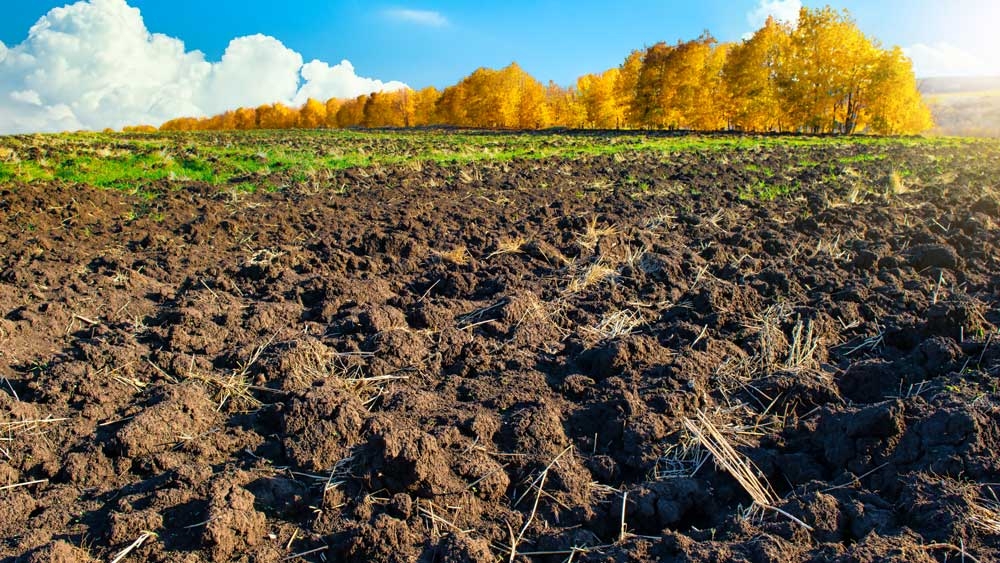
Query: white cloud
{"points": [[253, 70], [18, 117], [93, 64], [420, 17], [784, 11], [27, 96], [945, 59], [323, 81]]}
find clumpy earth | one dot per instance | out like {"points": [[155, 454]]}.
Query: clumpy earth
{"points": [[535, 360]]}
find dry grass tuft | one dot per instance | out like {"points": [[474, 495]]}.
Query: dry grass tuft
{"points": [[458, 255], [631, 256], [985, 514], [726, 457], [896, 186], [832, 248], [311, 362], [618, 324], [595, 274], [771, 341], [665, 218], [590, 237], [802, 349], [855, 194], [352, 376], [737, 465], [467, 177], [234, 391], [529, 311], [513, 245], [680, 461], [265, 258]]}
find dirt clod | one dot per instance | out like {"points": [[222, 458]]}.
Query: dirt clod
{"points": [[391, 363]]}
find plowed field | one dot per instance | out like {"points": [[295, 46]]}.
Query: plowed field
{"points": [[742, 351]]}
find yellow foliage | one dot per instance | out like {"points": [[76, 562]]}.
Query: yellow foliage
{"points": [[312, 115], [822, 76], [565, 107], [750, 75], [332, 107], [508, 98], [896, 105], [352, 112], [424, 103], [625, 88], [598, 98]]}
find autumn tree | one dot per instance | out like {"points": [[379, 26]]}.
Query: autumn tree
{"points": [[835, 79], [179, 124], [531, 108], [471, 103], [625, 88], [599, 101], [405, 104], [678, 86], [312, 115], [276, 116], [245, 119], [352, 112], [646, 108], [378, 111], [332, 107], [826, 75], [750, 75], [713, 113], [451, 108], [896, 106], [222, 122], [822, 76], [424, 105], [563, 107], [265, 117], [508, 98], [388, 109]]}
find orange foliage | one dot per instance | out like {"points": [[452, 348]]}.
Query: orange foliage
{"points": [[823, 76], [312, 115]]}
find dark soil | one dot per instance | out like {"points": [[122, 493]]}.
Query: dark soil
{"points": [[378, 373]]}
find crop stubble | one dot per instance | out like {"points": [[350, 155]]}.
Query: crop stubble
{"points": [[511, 360]]}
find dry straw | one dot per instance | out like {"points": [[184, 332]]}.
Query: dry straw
{"points": [[740, 467]]}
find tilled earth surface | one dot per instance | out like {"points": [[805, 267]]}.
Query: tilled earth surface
{"points": [[542, 360]]}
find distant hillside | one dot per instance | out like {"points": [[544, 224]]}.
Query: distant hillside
{"points": [[965, 106], [958, 84]]}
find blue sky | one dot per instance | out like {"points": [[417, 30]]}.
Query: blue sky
{"points": [[108, 63], [556, 40]]}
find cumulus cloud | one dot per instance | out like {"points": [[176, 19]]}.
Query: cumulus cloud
{"points": [[338, 81], [420, 17], [253, 70], [785, 11], [945, 59], [94, 64]]}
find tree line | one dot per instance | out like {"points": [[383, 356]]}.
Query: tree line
{"points": [[823, 75]]}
